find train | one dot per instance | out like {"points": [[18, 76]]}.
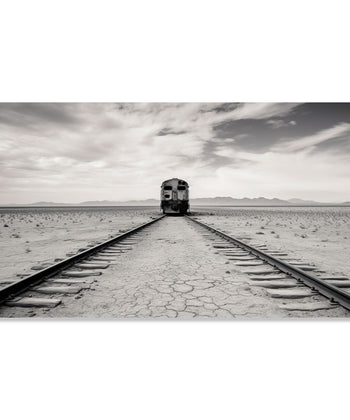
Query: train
{"points": [[174, 196]]}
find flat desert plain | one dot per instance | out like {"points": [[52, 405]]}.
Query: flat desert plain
{"points": [[32, 238], [315, 235]]}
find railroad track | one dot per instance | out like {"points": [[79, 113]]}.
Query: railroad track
{"points": [[250, 256], [280, 277], [81, 265]]}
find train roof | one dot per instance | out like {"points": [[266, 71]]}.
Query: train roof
{"points": [[175, 179]]}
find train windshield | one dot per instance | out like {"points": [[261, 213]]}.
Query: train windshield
{"points": [[168, 187], [181, 187]]}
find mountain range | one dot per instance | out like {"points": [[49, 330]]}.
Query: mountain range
{"points": [[209, 201]]}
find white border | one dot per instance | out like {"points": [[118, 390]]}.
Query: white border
{"points": [[74, 50], [172, 370]]}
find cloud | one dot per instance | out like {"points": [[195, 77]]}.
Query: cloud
{"points": [[261, 110], [167, 131], [315, 139], [77, 152], [280, 123], [321, 176], [35, 115]]}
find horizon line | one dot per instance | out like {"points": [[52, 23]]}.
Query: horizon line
{"points": [[194, 198]]}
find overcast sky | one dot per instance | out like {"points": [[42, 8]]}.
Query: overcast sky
{"points": [[86, 151]]}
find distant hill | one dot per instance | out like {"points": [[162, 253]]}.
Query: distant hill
{"points": [[44, 204], [298, 201], [148, 202], [103, 203], [209, 201], [229, 201]]}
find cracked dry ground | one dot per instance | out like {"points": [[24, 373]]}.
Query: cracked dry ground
{"points": [[171, 271]]}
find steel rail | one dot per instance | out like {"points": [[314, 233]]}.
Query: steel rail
{"points": [[38, 277], [326, 289]]}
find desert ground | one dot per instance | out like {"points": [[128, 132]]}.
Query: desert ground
{"points": [[318, 235], [172, 269], [31, 238]]}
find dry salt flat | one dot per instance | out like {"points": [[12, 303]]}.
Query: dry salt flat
{"points": [[172, 269], [315, 235], [35, 237]]}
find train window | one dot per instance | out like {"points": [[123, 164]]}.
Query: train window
{"points": [[168, 187], [181, 187]]}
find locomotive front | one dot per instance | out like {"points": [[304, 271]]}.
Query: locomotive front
{"points": [[174, 196]]}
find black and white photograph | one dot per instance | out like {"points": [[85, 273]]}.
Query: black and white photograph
{"points": [[175, 210]]}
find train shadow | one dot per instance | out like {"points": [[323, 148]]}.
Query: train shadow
{"points": [[174, 215]]}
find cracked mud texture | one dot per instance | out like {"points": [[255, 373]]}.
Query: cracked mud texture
{"points": [[173, 271]]}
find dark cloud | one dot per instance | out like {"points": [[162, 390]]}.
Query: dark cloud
{"points": [[226, 107], [168, 131], [33, 115], [210, 158], [313, 117], [340, 146], [249, 135], [259, 136]]}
